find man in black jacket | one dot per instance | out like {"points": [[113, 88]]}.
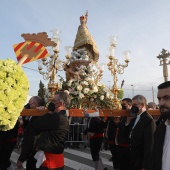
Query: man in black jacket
{"points": [[52, 129], [141, 130], [26, 155], [161, 149]]}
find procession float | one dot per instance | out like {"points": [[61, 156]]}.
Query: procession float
{"points": [[83, 75]]}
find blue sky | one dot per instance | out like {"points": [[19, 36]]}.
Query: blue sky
{"points": [[141, 26]]}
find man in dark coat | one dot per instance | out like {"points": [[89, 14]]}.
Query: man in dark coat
{"points": [[141, 130], [25, 155], [160, 155], [52, 130]]}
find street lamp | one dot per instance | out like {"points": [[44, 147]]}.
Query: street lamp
{"points": [[122, 84], [52, 65], [153, 94], [132, 90], [114, 67], [163, 62]]}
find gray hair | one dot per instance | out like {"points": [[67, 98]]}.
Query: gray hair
{"points": [[64, 97], [38, 100], [152, 104], [140, 99]]}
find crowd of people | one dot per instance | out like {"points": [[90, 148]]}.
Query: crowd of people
{"points": [[136, 142]]}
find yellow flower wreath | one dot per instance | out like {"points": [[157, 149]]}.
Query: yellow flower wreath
{"points": [[14, 87]]}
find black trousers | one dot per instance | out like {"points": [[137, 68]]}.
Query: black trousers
{"points": [[95, 146], [31, 163], [114, 151], [136, 161], [5, 154], [124, 157]]}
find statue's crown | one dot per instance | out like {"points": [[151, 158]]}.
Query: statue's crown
{"points": [[82, 17]]}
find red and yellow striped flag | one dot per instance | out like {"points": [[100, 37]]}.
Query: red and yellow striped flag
{"points": [[32, 50]]}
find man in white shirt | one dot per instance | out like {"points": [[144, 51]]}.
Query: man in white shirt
{"points": [[141, 130], [161, 150]]}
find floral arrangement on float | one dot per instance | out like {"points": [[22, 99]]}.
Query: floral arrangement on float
{"points": [[85, 88], [14, 84], [85, 93]]}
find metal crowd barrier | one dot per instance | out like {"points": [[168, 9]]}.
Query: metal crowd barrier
{"points": [[75, 135]]}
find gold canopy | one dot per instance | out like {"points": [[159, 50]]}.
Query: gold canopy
{"points": [[84, 39]]}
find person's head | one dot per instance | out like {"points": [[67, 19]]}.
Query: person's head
{"points": [[151, 106], [116, 119], [164, 99], [138, 104], [61, 100], [35, 101], [126, 104]]}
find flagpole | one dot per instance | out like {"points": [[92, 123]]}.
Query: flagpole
{"points": [[21, 61], [153, 94]]}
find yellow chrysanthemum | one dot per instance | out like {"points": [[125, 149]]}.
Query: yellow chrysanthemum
{"points": [[13, 93]]}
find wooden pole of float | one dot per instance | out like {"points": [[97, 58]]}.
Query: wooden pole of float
{"points": [[81, 112]]}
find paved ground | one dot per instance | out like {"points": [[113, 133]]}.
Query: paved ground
{"points": [[77, 159]]}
